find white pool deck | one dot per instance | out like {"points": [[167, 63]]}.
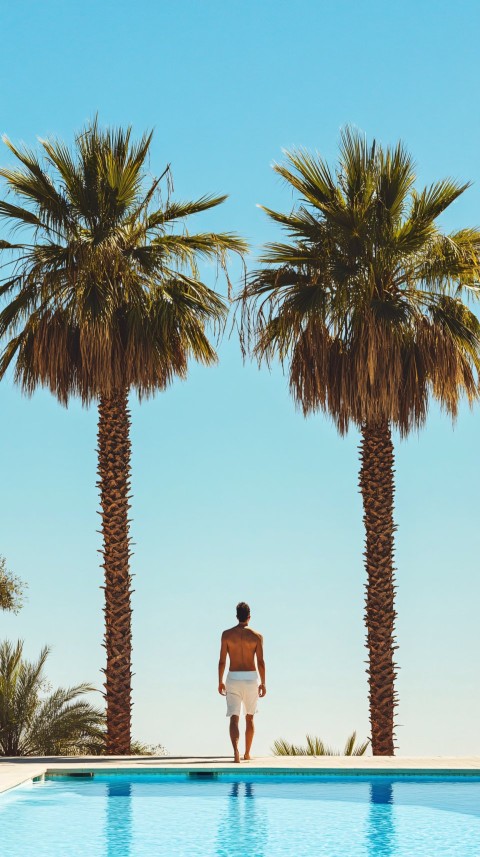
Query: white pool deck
{"points": [[15, 772]]}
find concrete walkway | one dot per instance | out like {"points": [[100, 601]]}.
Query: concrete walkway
{"points": [[14, 772]]}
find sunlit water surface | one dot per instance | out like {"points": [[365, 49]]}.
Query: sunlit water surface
{"points": [[234, 816]]}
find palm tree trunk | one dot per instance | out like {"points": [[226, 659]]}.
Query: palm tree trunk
{"points": [[377, 488], [114, 484]]}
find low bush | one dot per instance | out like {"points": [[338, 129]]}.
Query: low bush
{"points": [[316, 747]]}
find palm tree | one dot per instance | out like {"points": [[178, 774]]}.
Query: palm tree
{"points": [[104, 298], [34, 722], [362, 304]]}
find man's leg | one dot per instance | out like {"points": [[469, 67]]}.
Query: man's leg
{"points": [[249, 733], [235, 736]]}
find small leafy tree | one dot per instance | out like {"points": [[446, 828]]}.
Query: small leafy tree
{"points": [[37, 722], [12, 589], [316, 747]]}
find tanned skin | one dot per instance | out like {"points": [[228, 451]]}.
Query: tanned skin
{"points": [[243, 646]]}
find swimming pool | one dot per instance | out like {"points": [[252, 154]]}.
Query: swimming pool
{"points": [[233, 815]]}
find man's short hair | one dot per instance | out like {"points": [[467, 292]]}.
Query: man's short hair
{"points": [[243, 611]]}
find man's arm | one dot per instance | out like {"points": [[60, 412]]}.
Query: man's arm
{"points": [[262, 690], [221, 664]]}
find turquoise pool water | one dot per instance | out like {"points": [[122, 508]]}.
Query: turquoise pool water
{"points": [[243, 816]]}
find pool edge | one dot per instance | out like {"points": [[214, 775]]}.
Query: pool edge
{"points": [[16, 772]]}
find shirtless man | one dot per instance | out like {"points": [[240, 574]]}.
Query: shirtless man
{"points": [[242, 645]]}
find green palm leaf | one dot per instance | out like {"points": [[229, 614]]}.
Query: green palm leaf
{"points": [[36, 722]]}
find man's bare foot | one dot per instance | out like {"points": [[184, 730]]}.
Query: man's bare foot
{"points": [[247, 757], [236, 756]]}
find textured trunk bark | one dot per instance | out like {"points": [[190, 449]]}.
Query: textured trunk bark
{"points": [[377, 488], [114, 485]]}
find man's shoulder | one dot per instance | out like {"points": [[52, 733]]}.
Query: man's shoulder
{"points": [[257, 634], [228, 632], [233, 632]]}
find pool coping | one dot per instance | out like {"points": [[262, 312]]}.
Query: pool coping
{"points": [[16, 772]]}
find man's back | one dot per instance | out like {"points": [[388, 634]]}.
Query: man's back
{"points": [[243, 644]]}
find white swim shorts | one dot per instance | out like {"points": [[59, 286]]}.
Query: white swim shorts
{"points": [[241, 687]]}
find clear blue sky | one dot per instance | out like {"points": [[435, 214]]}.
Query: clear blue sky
{"points": [[236, 496]]}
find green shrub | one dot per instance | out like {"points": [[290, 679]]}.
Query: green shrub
{"points": [[316, 747]]}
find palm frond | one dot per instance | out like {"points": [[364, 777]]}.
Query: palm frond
{"points": [[434, 200], [36, 722], [311, 176], [182, 210], [35, 186]]}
